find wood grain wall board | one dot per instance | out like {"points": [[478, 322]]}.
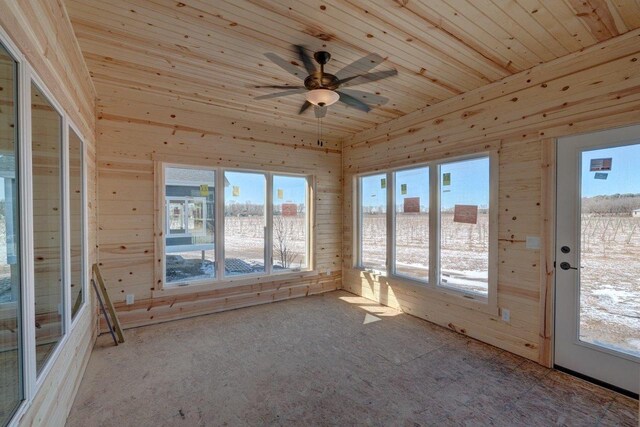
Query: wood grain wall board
{"points": [[441, 48], [43, 32], [166, 128], [594, 89]]}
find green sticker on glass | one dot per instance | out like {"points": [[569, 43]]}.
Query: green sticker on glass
{"points": [[403, 188], [446, 178], [383, 183]]}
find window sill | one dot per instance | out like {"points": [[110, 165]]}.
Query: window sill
{"points": [[231, 282], [441, 293]]}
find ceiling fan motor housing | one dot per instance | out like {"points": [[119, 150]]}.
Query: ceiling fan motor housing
{"points": [[320, 80]]}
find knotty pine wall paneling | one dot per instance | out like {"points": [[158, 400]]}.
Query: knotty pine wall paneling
{"points": [[136, 128], [42, 31], [593, 89]]}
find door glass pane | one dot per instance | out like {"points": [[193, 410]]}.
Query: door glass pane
{"points": [[373, 222], [47, 231], [290, 223], [190, 226], [412, 223], [464, 225], [10, 312], [244, 223], [77, 221], [610, 248]]}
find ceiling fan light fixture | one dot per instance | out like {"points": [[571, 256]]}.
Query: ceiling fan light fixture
{"points": [[322, 97]]}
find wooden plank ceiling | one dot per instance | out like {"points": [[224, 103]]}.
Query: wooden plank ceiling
{"points": [[213, 52]]}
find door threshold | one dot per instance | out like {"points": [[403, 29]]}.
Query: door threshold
{"points": [[597, 382]]}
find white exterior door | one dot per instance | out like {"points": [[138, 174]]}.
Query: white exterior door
{"points": [[597, 306]]}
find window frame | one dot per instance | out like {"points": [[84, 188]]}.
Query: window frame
{"points": [[359, 222], [84, 215], [307, 219], [486, 303], [31, 381], [221, 280]]}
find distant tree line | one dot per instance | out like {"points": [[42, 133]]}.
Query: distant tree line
{"points": [[253, 209], [614, 204]]}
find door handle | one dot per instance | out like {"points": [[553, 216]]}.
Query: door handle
{"points": [[566, 266]]}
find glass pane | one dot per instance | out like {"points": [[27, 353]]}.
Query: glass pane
{"points": [[47, 233], [464, 225], [610, 248], [77, 220], [412, 223], [10, 342], [289, 223], [373, 220], [244, 223], [190, 228], [176, 217]]}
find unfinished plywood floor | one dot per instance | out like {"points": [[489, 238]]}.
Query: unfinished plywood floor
{"points": [[314, 361]]}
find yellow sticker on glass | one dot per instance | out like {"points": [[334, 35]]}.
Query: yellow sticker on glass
{"points": [[236, 191], [204, 190], [280, 193]]}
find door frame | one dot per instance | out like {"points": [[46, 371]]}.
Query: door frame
{"points": [[549, 231], [547, 252]]}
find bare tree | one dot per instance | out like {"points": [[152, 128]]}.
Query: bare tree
{"points": [[284, 231]]}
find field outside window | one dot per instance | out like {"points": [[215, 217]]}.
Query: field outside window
{"points": [[373, 222], [411, 228], [439, 215], [464, 225]]}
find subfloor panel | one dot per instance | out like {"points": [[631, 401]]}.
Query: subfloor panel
{"points": [[327, 360]]}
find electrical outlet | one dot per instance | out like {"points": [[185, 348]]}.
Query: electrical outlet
{"points": [[533, 242], [506, 314], [130, 299], [328, 272]]}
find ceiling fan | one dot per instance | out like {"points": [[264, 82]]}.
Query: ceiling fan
{"points": [[321, 89]]}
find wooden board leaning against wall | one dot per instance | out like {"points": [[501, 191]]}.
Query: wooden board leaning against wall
{"points": [[137, 131], [519, 116]]}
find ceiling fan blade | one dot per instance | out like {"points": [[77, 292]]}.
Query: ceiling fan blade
{"points": [[279, 87], [320, 111], [304, 107], [353, 102], [366, 78], [306, 59], [361, 65], [371, 98], [281, 94], [286, 65]]}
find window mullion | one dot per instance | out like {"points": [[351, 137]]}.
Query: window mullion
{"points": [[66, 232], [391, 219], [268, 235], [219, 223], [434, 224]]}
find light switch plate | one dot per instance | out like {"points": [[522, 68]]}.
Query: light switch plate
{"points": [[130, 299], [533, 242]]}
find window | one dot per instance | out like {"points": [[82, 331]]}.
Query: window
{"points": [[464, 225], [440, 215], [46, 159], [411, 223], [245, 199], [190, 229], [43, 238], [290, 223], [257, 216], [76, 218], [373, 222], [10, 280]]}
